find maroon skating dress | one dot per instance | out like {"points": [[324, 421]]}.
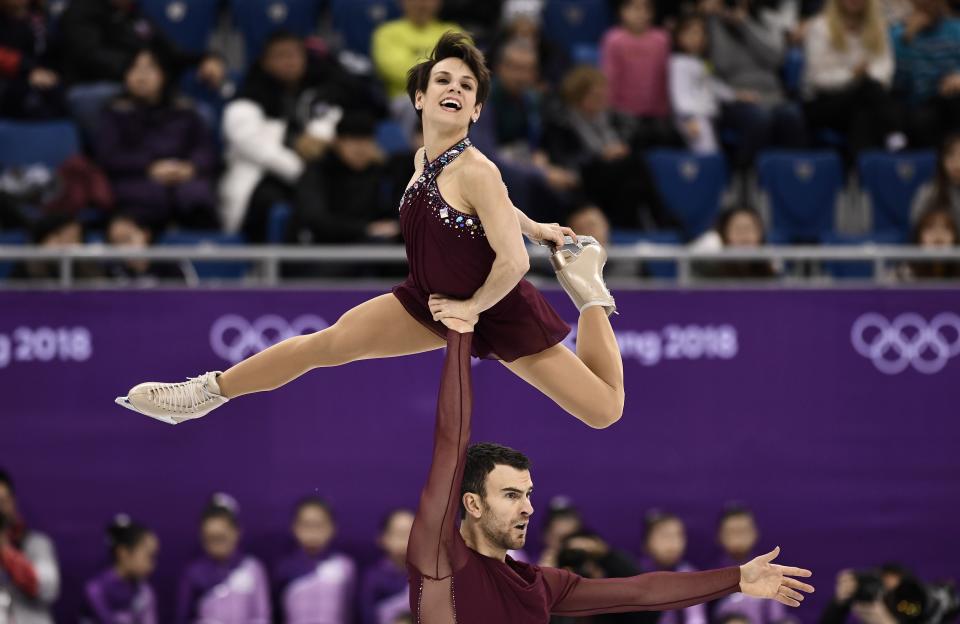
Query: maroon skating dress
{"points": [[452, 584], [448, 254]]}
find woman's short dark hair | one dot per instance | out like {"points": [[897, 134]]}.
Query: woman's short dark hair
{"points": [[451, 45]]}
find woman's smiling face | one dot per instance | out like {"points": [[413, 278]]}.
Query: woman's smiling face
{"points": [[451, 95]]}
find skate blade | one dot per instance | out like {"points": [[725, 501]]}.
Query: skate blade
{"points": [[125, 402]]}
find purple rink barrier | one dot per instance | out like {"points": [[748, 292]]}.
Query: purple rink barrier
{"points": [[833, 414]]}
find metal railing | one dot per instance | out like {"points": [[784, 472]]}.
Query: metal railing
{"points": [[268, 260]]}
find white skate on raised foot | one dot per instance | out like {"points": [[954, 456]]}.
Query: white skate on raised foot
{"points": [[579, 268], [174, 403]]}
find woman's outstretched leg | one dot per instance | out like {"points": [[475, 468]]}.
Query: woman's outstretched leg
{"points": [[377, 328], [588, 384]]}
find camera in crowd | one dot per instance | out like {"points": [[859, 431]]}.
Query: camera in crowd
{"points": [[908, 599]]}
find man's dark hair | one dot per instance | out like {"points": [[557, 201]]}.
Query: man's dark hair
{"points": [[451, 45], [481, 460], [6, 480]]}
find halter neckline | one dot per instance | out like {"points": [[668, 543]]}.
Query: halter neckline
{"points": [[447, 156]]}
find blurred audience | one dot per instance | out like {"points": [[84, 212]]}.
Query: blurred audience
{"points": [[400, 44], [349, 194], [748, 57], [927, 52], [738, 535], [587, 135], [30, 86], [736, 228], [944, 189], [124, 231], [384, 594], [589, 220], [283, 119], [848, 74], [100, 37], [523, 20], [634, 57], [890, 595], [122, 592], [585, 553], [225, 584], [157, 151], [562, 520], [695, 93], [664, 546], [936, 229], [29, 572], [54, 231], [315, 583], [510, 132]]}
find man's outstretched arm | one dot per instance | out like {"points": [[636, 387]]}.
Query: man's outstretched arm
{"points": [[435, 548], [663, 591]]}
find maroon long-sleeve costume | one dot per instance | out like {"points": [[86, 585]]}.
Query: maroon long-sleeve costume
{"points": [[452, 584]]}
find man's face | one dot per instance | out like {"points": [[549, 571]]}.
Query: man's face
{"points": [[505, 510], [8, 504]]}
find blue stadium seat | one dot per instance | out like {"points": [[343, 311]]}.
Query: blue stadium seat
{"points": [[803, 188], [576, 22], [586, 54], [691, 185], [28, 143], [278, 223], [793, 64], [662, 269], [11, 237], [391, 138], [257, 19], [187, 22], [214, 270], [356, 20], [891, 181], [856, 270]]}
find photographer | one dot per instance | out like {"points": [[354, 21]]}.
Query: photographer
{"points": [[889, 595], [29, 574], [586, 554]]}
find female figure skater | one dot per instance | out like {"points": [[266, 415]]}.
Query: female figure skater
{"points": [[467, 261]]}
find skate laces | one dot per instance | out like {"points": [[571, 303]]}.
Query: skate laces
{"points": [[186, 396]]}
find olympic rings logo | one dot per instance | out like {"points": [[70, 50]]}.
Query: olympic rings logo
{"points": [[234, 338], [907, 341]]}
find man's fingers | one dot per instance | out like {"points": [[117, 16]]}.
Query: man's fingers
{"points": [[770, 556], [795, 584], [790, 602], [789, 593], [790, 571]]}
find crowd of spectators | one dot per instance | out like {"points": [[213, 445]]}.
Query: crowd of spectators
{"points": [[318, 582], [297, 125]]}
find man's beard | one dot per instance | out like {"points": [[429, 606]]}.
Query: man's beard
{"points": [[503, 538]]}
